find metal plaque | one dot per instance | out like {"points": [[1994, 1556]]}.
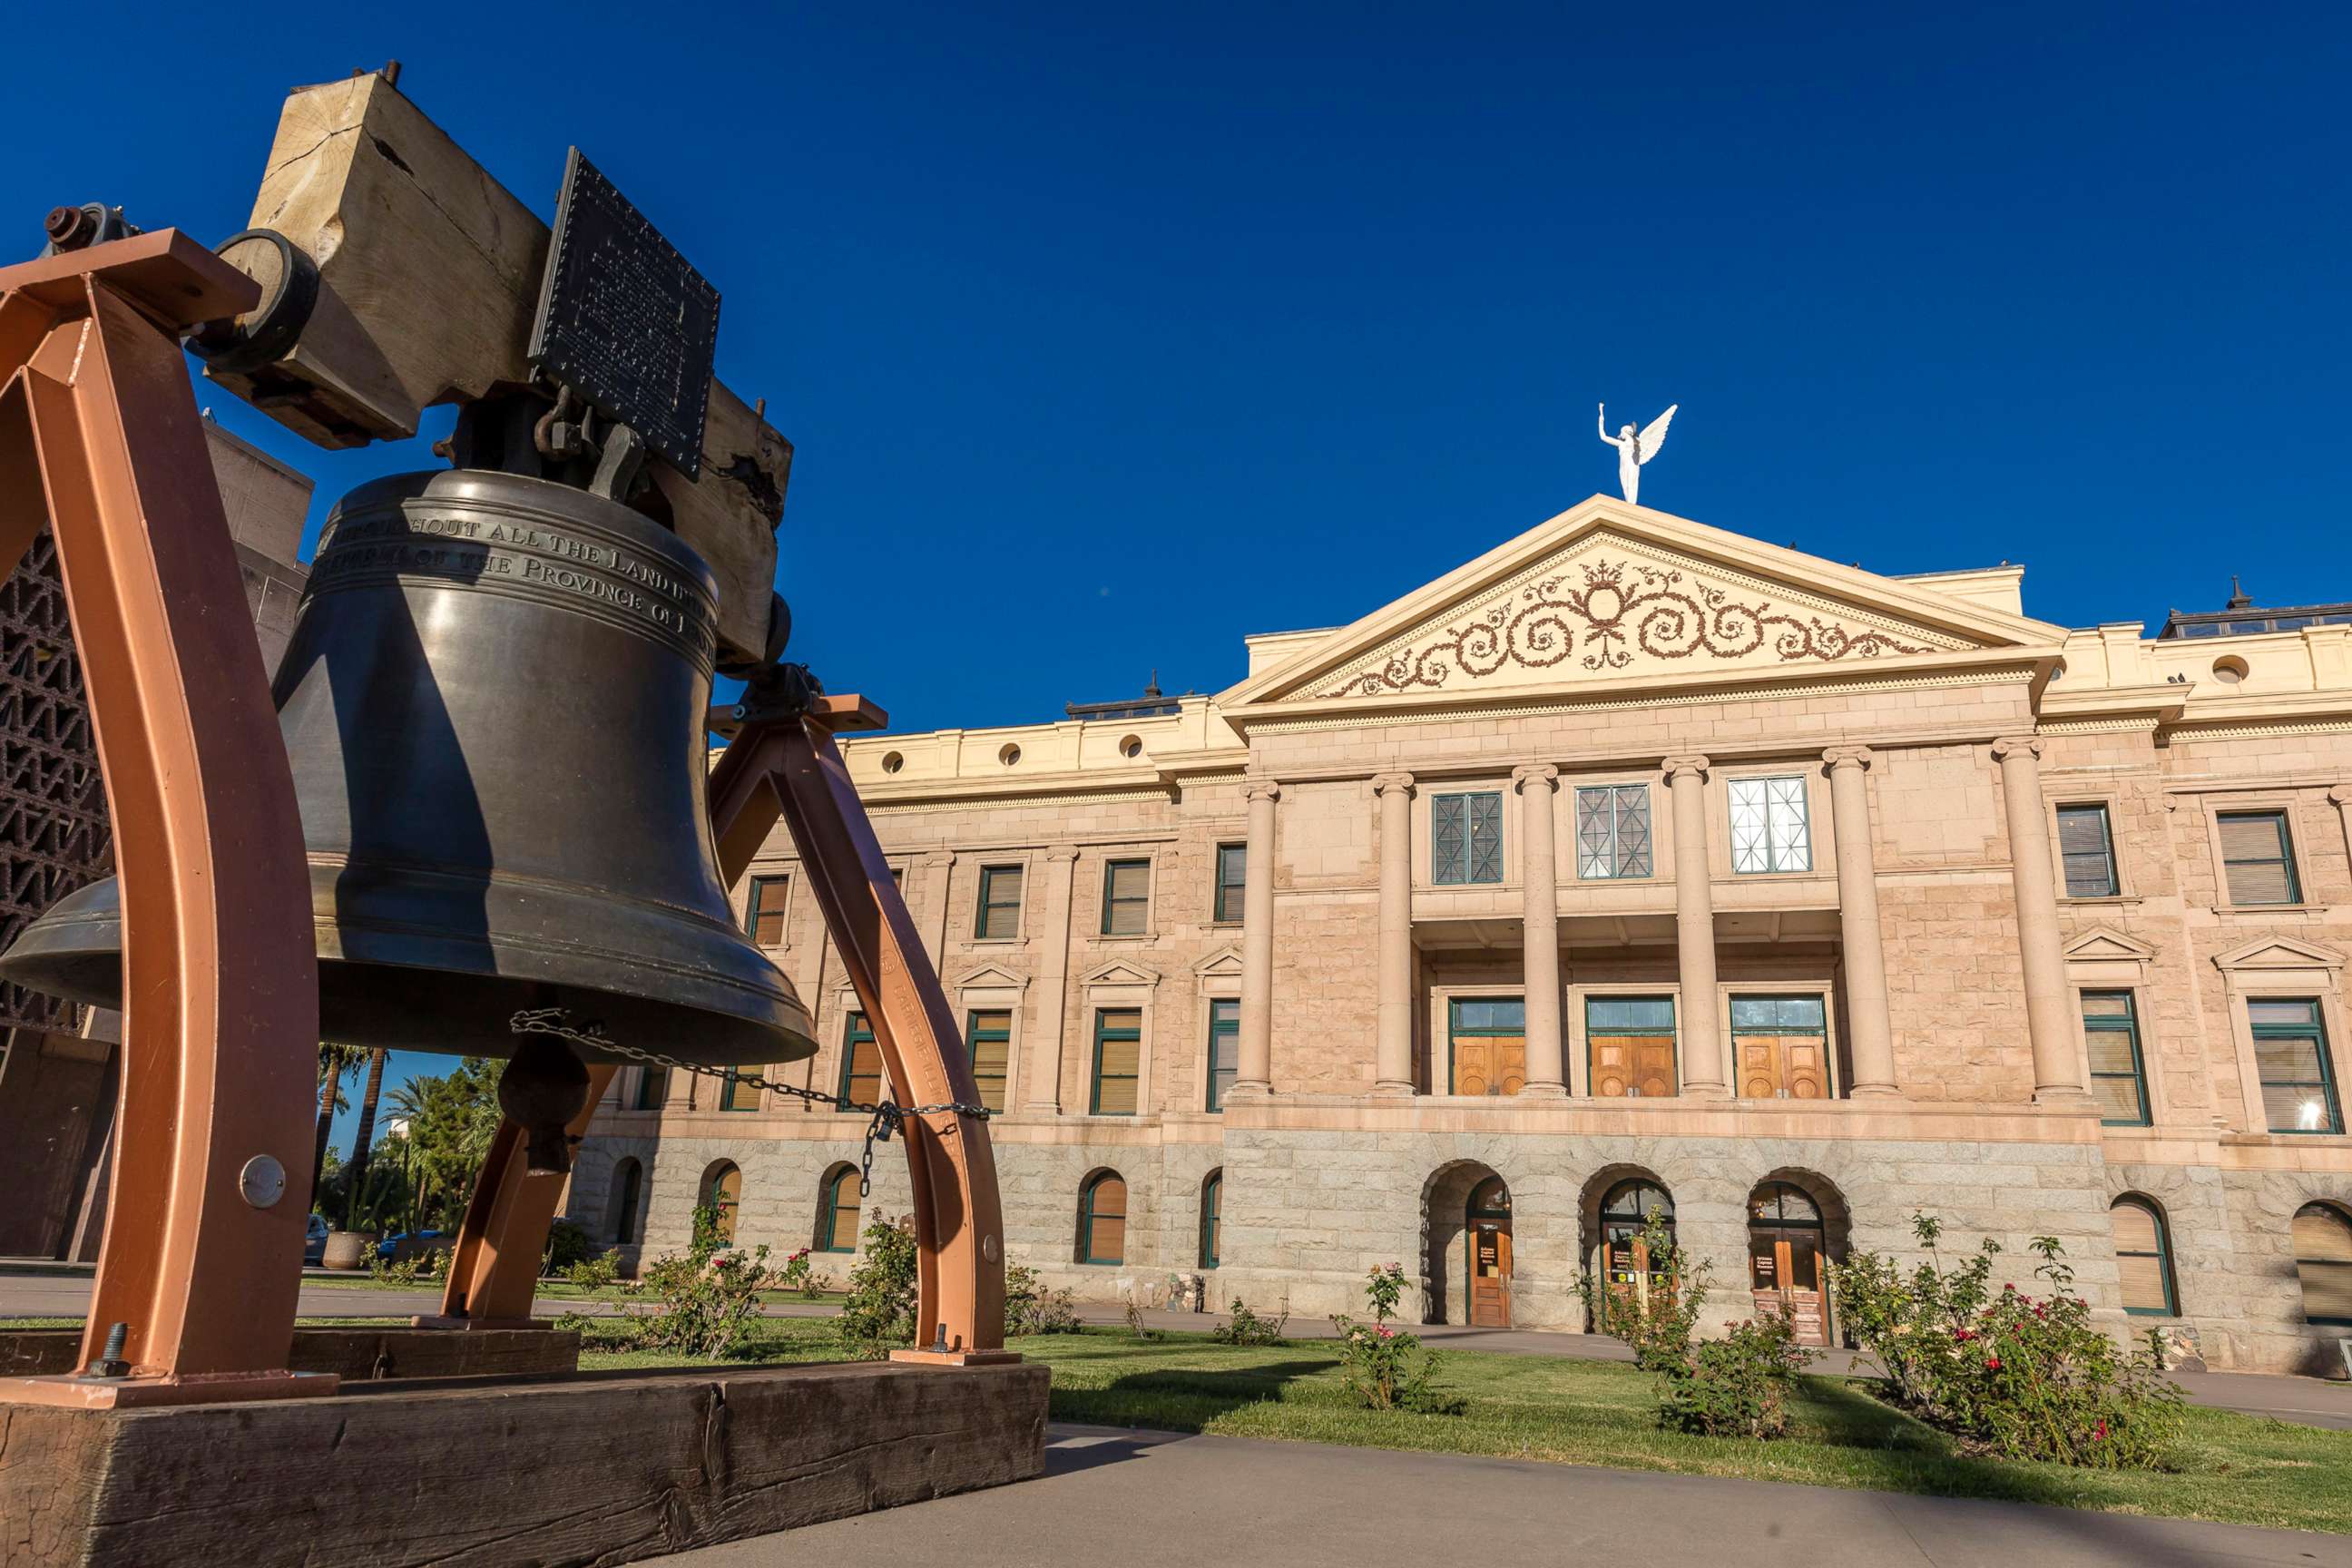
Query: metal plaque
{"points": [[625, 321]]}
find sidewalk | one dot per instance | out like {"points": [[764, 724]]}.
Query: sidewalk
{"points": [[1116, 1496]]}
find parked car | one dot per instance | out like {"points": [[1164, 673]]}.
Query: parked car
{"points": [[314, 1247], [409, 1243]]}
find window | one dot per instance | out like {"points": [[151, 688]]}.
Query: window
{"points": [[2323, 1261], [1631, 1272], [2143, 1257], [2087, 848], [990, 1035], [1630, 1045], [1780, 1047], [653, 1089], [2111, 1031], [1233, 867], [628, 1185], [1466, 838], [1000, 904], [2291, 1058], [1102, 1219], [1118, 1050], [1613, 831], [836, 1210], [1224, 1049], [2258, 857], [1127, 898], [1213, 1197], [766, 919], [861, 1062], [735, 1094], [1768, 830], [1486, 1041], [722, 1189]]}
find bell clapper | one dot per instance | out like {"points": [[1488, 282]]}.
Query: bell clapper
{"points": [[544, 1087]]}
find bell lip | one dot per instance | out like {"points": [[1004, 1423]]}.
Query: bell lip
{"points": [[75, 951], [560, 503]]}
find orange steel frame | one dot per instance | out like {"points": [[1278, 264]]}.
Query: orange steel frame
{"points": [[791, 768], [99, 440]]}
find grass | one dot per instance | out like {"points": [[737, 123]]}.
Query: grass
{"points": [[546, 1291], [2233, 1468]]}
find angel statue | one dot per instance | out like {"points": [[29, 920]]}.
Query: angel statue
{"points": [[1634, 451]]}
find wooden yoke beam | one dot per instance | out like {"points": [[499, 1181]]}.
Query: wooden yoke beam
{"points": [[99, 439]]}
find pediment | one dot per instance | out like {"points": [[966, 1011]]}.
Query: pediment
{"points": [[1223, 964], [2107, 944], [2279, 953], [1608, 593], [991, 976], [1119, 971]]}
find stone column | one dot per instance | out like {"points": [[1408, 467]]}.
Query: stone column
{"points": [[2049, 1021], [1538, 784], [1043, 1085], [1394, 1061], [1870, 1031], [2340, 797], [1702, 1046], [1253, 1073]]}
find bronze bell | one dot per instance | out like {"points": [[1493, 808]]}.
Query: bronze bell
{"points": [[494, 702]]}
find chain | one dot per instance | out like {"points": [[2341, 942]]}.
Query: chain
{"points": [[884, 1119]]}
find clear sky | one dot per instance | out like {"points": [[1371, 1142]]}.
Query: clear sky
{"points": [[1108, 334]]}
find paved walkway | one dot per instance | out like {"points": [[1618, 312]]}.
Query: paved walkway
{"points": [[1114, 1496], [2306, 1401]]}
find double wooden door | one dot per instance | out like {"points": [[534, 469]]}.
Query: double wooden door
{"points": [[1784, 1265], [1490, 1273], [1782, 1067], [1490, 1064], [1641, 1066]]}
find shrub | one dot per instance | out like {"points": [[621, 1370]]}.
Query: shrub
{"points": [[567, 1244], [708, 1298], [1244, 1327], [801, 1274], [1385, 1369], [595, 1273], [2007, 1374], [1384, 1288], [1737, 1386], [425, 1265], [878, 1314], [1030, 1308], [1657, 1319]]}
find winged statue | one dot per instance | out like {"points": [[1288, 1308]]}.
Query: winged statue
{"points": [[1634, 451]]}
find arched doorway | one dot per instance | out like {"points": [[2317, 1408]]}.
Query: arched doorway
{"points": [[620, 1208], [1631, 1266], [1487, 1218], [722, 1189], [1786, 1245]]}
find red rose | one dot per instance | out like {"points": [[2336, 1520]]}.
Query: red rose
{"points": [[1993, 1364]]}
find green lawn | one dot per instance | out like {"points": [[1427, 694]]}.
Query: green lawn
{"points": [[2234, 1468]]}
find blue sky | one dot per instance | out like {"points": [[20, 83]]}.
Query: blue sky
{"points": [[1107, 335]]}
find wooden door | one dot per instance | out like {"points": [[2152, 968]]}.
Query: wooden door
{"points": [[1633, 1064], [1489, 1064], [1490, 1274], [1782, 1067], [1785, 1276]]}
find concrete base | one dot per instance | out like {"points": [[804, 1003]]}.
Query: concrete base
{"points": [[607, 1467], [355, 1355]]}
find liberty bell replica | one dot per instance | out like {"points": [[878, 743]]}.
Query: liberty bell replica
{"points": [[495, 704]]}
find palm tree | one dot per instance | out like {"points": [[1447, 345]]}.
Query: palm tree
{"points": [[335, 1064], [363, 1139]]}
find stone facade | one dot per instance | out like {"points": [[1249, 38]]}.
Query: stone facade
{"points": [[1848, 792]]}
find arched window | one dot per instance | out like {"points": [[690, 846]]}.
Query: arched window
{"points": [[621, 1207], [2323, 1260], [836, 1210], [2143, 1256], [1213, 1197], [722, 1189], [1102, 1219], [1624, 1218]]}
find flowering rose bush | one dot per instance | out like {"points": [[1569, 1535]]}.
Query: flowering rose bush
{"points": [[1736, 1387], [2008, 1373], [1658, 1317], [1386, 1369]]}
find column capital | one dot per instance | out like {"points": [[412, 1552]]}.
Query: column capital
{"points": [[1847, 756], [1261, 789], [1384, 783], [1675, 767], [936, 857], [1535, 773], [2002, 749], [2338, 795], [1058, 853]]}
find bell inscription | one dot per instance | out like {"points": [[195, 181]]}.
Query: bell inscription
{"points": [[625, 320]]}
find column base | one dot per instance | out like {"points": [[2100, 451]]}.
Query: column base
{"points": [[1703, 1091], [1874, 1091], [1390, 1088], [1537, 1090], [2063, 1095], [1249, 1088]]}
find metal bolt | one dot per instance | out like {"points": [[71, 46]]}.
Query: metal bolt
{"points": [[69, 228], [110, 1363]]}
